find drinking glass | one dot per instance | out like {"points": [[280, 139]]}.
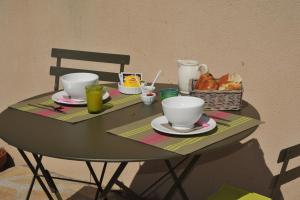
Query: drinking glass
{"points": [[168, 92], [94, 98]]}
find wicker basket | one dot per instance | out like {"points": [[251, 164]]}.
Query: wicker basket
{"points": [[218, 99]]}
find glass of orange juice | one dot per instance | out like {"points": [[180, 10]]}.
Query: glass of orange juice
{"points": [[94, 98]]}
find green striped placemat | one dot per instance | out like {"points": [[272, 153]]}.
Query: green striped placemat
{"points": [[227, 125], [73, 114]]}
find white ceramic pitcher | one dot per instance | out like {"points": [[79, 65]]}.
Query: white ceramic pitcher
{"points": [[187, 70]]}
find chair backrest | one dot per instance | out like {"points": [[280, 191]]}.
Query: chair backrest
{"points": [[60, 54], [285, 176]]}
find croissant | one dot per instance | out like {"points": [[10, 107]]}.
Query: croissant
{"points": [[224, 79], [210, 84], [230, 82], [206, 81], [202, 79], [234, 77], [230, 86]]}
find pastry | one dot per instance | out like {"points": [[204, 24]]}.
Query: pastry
{"points": [[210, 84], [230, 82], [230, 86], [203, 78]]}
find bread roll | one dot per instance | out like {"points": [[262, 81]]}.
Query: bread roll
{"points": [[210, 84], [202, 79], [230, 86]]}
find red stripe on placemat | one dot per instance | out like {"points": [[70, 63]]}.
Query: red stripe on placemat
{"points": [[46, 113], [114, 92], [154, 138], [65, 108], [219, 114], [49, 113]]}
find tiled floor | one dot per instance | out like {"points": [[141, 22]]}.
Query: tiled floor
{"points": [[14, 184]]}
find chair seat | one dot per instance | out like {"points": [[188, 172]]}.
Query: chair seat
{"points": [[227, 192]]}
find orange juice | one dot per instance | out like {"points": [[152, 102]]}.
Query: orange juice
{"points": [[94, 98]]}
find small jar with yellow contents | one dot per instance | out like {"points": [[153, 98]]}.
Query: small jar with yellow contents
{"points": [[130, 85], [132, 81]]}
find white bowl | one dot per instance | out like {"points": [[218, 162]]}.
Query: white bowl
{"points": [[183, 111], [74, 84], [148, 100]]}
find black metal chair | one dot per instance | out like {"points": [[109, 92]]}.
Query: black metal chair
{"points": [[230, 192], [60, 54], [285, 175], [58, 71]]}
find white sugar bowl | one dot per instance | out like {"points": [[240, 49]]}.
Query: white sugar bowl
{"points": [[148, 98]]}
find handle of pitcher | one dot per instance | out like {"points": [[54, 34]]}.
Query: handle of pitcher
{"points": [[203, 68]]}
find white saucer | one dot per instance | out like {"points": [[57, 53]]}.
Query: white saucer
{"points": [[157, 125], [62, 97]]}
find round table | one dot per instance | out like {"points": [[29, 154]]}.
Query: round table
{"points": [[88, 140]]}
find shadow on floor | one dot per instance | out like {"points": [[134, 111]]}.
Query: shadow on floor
{"points": [[88, 193], [240, 165]]}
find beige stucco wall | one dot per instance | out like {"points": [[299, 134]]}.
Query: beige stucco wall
{"points": [[258, 39]]}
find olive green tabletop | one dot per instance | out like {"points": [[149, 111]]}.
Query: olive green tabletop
{"points": [[88, 140]]}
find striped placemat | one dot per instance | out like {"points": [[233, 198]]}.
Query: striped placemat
{"points": [[74, 114], [227, 125]]}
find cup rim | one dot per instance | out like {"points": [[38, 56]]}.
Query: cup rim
{"points": [[145, 94], [164, 101], [94, 86], [92, 76], [166, 89], [188, 62]]}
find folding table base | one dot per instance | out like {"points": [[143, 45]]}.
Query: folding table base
{"points": [[177, 179], [46, 174], [114, 179], [102, 193]]}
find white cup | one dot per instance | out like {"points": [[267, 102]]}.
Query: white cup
{"points": [[183, 111], [74, 84]]}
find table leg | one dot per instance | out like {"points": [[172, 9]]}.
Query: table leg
{"points": [[162, 177], [113, 180], [176, 180], [35, 174], [33, 179], [98, 182], [183, 175], [132, 194], [101, 178], [48, 177], [102, 173]]}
